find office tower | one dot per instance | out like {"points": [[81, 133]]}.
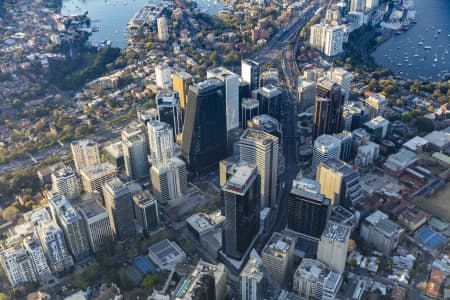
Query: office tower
{"points": [[354, 115], [36, 254], [206, 282], [169, 110], [96, 222], [85, 153], [135, 150], [357, 5], [267, 124], [114, 154], [380, 232], [270, 99], [371, 4], [314, 280], [145, 116], [163, 76], [94, 177], [327, 38], [269, 77], [55, 247], [306, 94], [313, 74], [146, 211], [72, 225], [17, 266], [346, 142], [161, 142], [325, 146], [256, 282], [376, 104], [328, 108], [250, 73], [261, 149], [231, 82], [169, 180], [119, 206], [278, 257], [163, 29], [367, 154], [378, 127], [339, 182], [308, 209], [343, 78], [204, 141], [66, 182], [180, 82], [249, 109], [241, 196], [333, 246]]}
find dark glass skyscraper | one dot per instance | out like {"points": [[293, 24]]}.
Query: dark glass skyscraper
{"points": [[308, 210], [205, 128], [241, 196], [328, 108], [270, 98], [169, 110]]}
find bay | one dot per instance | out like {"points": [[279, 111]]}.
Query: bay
{"points": [[405, 54], [112, 16]]}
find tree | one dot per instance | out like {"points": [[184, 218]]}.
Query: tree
{"points": [[10, 213], [124, 282], [3, 296], [424, 124], [79, 281], [148, 282], [91, 274]]}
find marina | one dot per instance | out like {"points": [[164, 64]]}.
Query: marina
{"points": [[422, 50]]}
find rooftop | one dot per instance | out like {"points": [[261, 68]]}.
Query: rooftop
{"points": [[96, 171], [326, 141], [167, 97], [380, 99], [144, 197], [307, 185], [250, 103], [220, 73], [278, 245], [258, 136], [377, 122], [208, 84], [336, 232], [64, 172], [438, 138], [415, 143], [388, 227], [91, 208], [376, 217], [240, 181], [165, 252], [270, 91], [264, 123], [338, 166]]}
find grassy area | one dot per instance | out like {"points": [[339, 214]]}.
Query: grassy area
{"points": [[437, 204]]}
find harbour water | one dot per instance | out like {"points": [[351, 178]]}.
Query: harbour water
{"points": [[111, 16], [423, 51]]}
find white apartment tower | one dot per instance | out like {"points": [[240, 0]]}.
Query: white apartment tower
{"points": [[135, 150], [94, 177], [66, 182], [333, 245], [85, 153], [325, 146], [261, 149], [160, 136], [376, 104], [163, 76], [37, 256], [163, 29], [169, 180], [17, 265], [343, 78], [328, 39]]}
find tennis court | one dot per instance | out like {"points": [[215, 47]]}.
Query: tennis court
{"points": [[144, 265], [430, 238]]}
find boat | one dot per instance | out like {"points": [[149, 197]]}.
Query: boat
{"points": [[416, 55], [439, 31], [420, 43], [399, 64], [427, 47], [422, 59]]}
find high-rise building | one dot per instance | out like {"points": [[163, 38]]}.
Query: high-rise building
{"points": [[94, 177], [325, 146], [119, 206], [17, 266], [55, 247], [180, 82], [278, 257], [343, 78], [85, 154], [163, 76], [135, 150], [145, 116], [37, 257], [206, 282], [306, 94], [231, 82], [269, 77], [256, 282], [327, 38], [314, 280], [161, 142], [339, 182], [367, 154], [371, 4], [357, 5], [146, 211], [267, 124], [72, 225], [333, 246], [169, 110], [376, 104], [204, 141], [354, 115], [328, 108], [271, 100], [261, 149], [96, 222], [249, 109], [66, 182], [163, 29], [346, 141], [377, 127], [250, 73], [169, 180], [241, 196], [308, 210], [114, 154]]}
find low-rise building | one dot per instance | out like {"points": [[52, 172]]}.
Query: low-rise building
{"points": [[166, 254]]}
